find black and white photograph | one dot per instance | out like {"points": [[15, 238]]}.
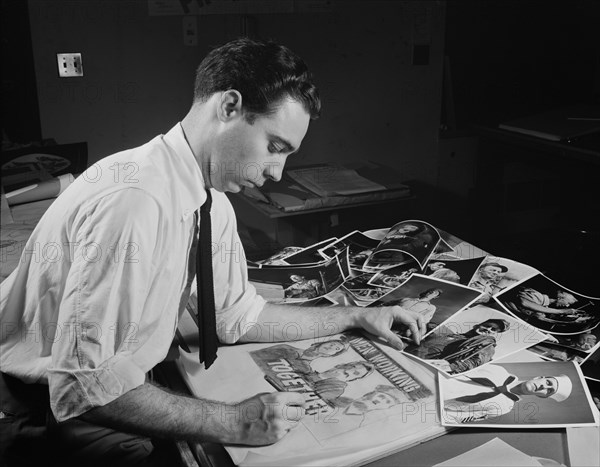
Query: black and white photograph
{"points": [[549, 351], [523, 395], [591, 366], [452, 270], [359, 246], [410, 239], [552, 307], [361, 291], [185, 182], [495, 274], [395, 276], [433, 299], [302, 283], [473, 337]]}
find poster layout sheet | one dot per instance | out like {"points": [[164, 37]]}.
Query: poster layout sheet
{"points": [[365, 399], [522, 394]]}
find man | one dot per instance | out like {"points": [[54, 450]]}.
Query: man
{"points": [[463, 351], [331, 384], [487, 278], [303, 287], [382, 398], [404, 234], [300, 359], [86, 328], [550, 313], [440, 271], [586, 341], [531, 302], [394, 280], [492, 391]]}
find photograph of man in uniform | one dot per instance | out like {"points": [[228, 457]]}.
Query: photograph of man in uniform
{"points": [[462, 351], [474, 337], [525, 394], [487, 278], [438, 270]]}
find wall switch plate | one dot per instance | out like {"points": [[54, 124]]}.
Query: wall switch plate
{"points": [[69, 65]]}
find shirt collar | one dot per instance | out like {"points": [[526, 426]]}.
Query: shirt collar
{"points": [[190, 182]]}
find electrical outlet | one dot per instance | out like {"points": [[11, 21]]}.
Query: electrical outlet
{"points": [[69, 65]]}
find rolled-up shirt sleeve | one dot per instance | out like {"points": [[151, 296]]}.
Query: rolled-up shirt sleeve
{"points": [[236, 301], [102, 308]]}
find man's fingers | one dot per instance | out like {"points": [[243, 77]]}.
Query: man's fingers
{"points": [[293, 413], [393, 340], [415, 322], [415, 333], [287, 405]]}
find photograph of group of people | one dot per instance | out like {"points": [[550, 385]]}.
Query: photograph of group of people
{"points": [[477, 311]]}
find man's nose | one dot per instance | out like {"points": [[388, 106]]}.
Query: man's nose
{"points": [[274, 172]]}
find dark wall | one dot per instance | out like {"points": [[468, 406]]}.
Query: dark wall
{"points": [[513, 58], [20, 113], [138, 74]]}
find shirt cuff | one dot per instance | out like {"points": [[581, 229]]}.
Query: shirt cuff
{"points": [[73, 392]]}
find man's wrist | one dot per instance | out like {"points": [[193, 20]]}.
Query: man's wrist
{"points": [[356, 317]]}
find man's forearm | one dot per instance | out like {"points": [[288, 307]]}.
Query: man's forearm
{"points": [[151, 411], [288, 322], [541, 308]]}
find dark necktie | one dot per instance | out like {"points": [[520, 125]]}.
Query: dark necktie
{"points": [[207, 327], [495, 390]]}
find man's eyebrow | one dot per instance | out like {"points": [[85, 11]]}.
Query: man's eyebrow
{"points": [[287, 145]]}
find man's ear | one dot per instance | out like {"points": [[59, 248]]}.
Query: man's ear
{"points": [[230, 105]]}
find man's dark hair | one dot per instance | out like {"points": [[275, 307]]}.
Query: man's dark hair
{"points": [[264, 73], [502, 324]]}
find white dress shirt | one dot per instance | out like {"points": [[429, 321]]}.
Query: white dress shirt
{"points": [[94, 301]]}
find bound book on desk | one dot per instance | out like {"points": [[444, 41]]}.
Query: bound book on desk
{"points": [[557, 125], [326, 185]]}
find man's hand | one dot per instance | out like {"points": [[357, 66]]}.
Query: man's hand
{"points": [[266, 418], [379, 321]]}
